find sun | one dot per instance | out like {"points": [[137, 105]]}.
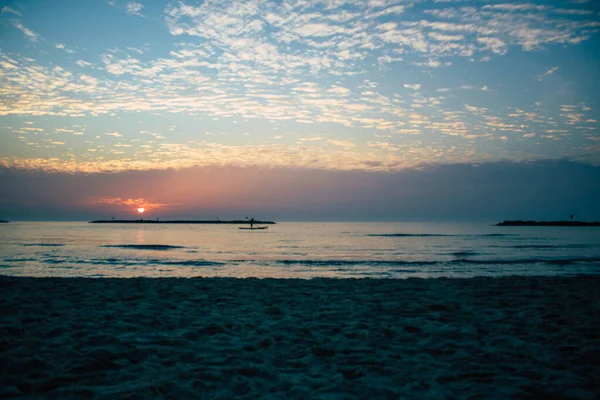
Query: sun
{"points": [[141, 210]]}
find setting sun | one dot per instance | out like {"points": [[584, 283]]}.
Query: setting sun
{"points": [[141, 210]]}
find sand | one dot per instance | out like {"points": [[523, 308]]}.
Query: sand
{"points": [[521, 338]]}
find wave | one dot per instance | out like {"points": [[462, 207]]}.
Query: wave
{"points": [[408, 234], [20, 259], [325, 263], [188, 263], [116, 262], [550, 246], [406, 271], [564, 261], [110, 261], [440, 235], [144, 246], [534, 246], [352, 262], [465, 253], [463, 260], [142, 262], [54, 261], [43, 244]]}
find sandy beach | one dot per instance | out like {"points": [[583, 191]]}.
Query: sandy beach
{"points": [[480, 338]]}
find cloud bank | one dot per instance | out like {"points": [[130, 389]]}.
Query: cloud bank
{"points": [[486, 192]]}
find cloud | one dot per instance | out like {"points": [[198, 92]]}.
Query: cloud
{"points": [[342, 91], [490, 192], [512, 7], [134, 8], [31, 35], [341, 143], [573, 11], [6, 9], [547, 73], [130, 7], [333, 69], [493, 44], [83, 63]]}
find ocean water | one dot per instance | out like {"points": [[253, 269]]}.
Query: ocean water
{"points": [[296, 250]]}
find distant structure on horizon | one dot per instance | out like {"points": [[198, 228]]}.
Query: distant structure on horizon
{"points": [[548, 223]]}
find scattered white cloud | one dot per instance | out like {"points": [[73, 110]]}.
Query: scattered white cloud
{"points": [[341, 143], [547, 73], [493, 44], [31, 35], [298, 70], [83, 63], [9, 10], [134, 8]]}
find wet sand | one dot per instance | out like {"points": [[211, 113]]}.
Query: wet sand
{"points": [[480, 338]]}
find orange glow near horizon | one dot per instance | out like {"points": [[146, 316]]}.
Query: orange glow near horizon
{"points": [[139, 204]]}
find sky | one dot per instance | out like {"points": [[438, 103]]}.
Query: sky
{"points": [[317, 109]]}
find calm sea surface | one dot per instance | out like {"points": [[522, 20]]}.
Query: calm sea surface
{"points": [[296, 250]]}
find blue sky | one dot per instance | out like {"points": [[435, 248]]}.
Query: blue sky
{"points": [[98, 86]]}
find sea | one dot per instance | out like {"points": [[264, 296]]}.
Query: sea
{"points": [[296, 250]]}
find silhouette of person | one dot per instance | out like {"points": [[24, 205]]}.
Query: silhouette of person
{"points": [[251, 223]]}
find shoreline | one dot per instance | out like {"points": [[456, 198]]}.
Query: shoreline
{"points": [[505, 337]]}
